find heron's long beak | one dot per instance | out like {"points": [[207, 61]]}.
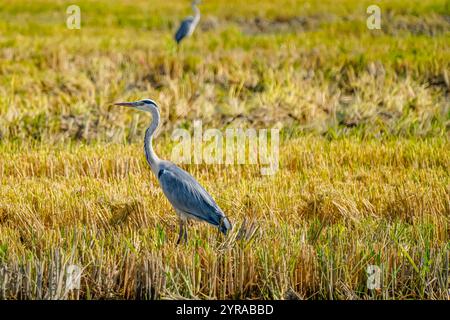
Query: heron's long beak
{"points": [[126, 104]]}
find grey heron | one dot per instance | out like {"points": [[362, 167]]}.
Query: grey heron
{"points": [[188, 25], [189, 199]]}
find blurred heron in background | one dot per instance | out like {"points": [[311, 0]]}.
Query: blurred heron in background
{"points": [[188, 25], [189, 199]]}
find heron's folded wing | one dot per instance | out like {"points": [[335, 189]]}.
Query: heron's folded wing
{"points": [[188, 196], [183, 30]]}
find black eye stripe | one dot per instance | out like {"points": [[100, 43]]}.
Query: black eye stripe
{"points": [[149, 102]]}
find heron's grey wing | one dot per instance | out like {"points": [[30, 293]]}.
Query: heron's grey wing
{"points": [[183, 30], [188, 196]]}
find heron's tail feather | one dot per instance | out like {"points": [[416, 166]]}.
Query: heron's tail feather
{"points": [[225, 225]]}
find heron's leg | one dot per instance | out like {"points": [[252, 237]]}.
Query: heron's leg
{"points": [[180, 235], [185, 234]]}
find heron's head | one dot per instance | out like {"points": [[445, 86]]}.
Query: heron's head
{"points": [[143, 105]]}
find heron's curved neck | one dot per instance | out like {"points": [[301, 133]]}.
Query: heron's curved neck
{"points": [[150, 154], [196, 12]]}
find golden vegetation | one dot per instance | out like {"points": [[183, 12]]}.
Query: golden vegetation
{"points": [[364, 150]]}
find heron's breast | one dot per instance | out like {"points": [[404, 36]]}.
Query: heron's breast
{"points": [[187, 216]]}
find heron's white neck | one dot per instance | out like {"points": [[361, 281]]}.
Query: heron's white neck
{"points": [[196, 12], [150, 154]]}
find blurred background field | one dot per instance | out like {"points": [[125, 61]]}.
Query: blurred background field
{"points": [[364, 153]]}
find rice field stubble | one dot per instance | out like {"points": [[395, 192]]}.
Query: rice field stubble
{"points": [[364, 165]]}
